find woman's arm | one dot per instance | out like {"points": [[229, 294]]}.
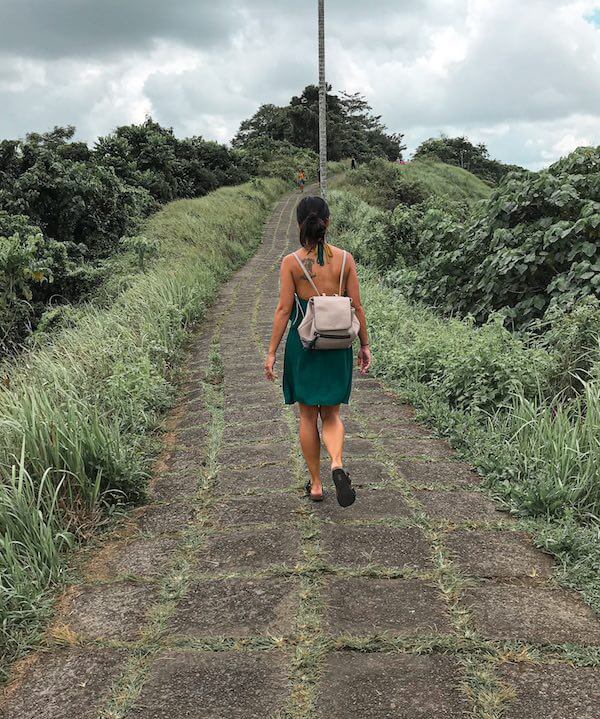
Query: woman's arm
{"points": [[353, 292], [282, 314]]}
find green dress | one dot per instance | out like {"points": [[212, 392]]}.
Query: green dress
{"points": [[314, 377]]}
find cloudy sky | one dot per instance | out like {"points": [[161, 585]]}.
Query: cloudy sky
{"points": [[521, 75]]}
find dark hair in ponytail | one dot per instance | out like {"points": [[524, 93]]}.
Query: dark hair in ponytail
{"points": [[312, 214]]}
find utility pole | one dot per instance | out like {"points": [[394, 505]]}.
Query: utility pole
{"points": [[322, 102]]}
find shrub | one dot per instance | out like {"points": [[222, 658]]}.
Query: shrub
{"points": [[533, 246], [470, 368]]}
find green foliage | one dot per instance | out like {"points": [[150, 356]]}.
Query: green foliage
{"points": [[28, 266], [573, 339], [468, 367], [392, 241], [523, 409], [151, 157], [34, 540], [388, 185], [352, 129], [78, 407], [265, 157], [556, 455], [65, 207], [69, 196], [532, 247], [463, 153], [143, 247]]}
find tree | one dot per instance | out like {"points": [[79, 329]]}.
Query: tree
{"points": [[352, 128]]}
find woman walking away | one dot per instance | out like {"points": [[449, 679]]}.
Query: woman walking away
{"points": [[318, 379]]}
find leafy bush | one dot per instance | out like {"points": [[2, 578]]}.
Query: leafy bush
{"points": [[265, 157], [463, 153], [573, 340], [470, 368], [532, 247], [65, 208], [392, 241], [151, 157]]}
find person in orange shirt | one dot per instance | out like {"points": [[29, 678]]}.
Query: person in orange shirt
{"points": [[301, 180]]}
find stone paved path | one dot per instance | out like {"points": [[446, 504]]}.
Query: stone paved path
{"points": [[231, 595]]}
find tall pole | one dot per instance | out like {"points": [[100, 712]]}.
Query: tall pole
{"points": [[322, 102]]}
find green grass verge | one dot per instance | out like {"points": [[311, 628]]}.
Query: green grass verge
{"points": [[386, 184], [76, 411]]}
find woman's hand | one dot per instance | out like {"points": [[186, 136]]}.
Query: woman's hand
{"points": [[364, 359], [269, 366]]}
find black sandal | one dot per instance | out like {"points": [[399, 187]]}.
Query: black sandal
{"points": [[344, 491], [307, 489]]}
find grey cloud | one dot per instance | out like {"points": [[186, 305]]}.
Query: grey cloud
{"points": [[91, 28], [202, 67], [88, 28], [226, 89]]}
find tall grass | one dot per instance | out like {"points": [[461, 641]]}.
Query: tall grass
{"points": [[76, 411], [449, 180], [540, 450], [556, 450]]}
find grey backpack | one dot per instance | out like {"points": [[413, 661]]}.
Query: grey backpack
{"points": [[329, 323]]}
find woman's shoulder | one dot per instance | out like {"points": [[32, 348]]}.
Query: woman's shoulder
{"points": [[338, 251], [289, 261]]}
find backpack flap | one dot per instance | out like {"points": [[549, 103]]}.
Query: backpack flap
{"points": [[332, 314]]}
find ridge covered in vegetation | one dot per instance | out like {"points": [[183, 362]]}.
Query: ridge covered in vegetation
{"points": [[460, 151]]}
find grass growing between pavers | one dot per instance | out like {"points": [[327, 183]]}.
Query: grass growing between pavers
{"points": [[523, 408], [178, 583], [174, 585], [473, 654]]}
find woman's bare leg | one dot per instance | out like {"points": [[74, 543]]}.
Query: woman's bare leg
{"points": [[311, 445], [333, 434]]}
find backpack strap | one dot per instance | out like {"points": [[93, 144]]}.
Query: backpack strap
{"points": [[308, 277], [342, 272], [299, 309]]}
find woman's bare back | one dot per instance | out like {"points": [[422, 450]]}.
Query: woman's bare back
{"points": [[326, 278]]}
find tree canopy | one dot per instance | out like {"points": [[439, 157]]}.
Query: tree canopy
{"points": [[352, 128]]}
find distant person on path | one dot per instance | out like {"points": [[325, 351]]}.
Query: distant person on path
{"points": [[301, 180], [319, 380], [353, 164]]}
